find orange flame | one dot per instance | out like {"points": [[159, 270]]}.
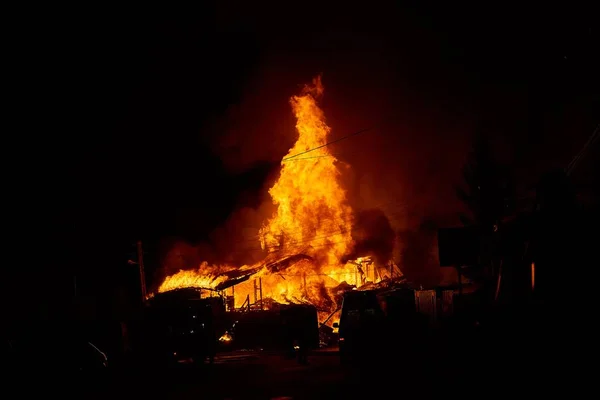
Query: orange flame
{"points": [[190, 278], [313, 218]]}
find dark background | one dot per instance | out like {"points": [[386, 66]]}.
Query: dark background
{"points": [[147, 124]]}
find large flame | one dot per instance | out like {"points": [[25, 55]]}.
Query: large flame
{"points": [[312, 214], [313, 219]]}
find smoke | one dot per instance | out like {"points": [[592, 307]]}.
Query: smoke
{"points": [[373, 235], [178, 255], [237, 240], [409, 84], [409, 161], [397, 175], [418, 254], [260, 127]]}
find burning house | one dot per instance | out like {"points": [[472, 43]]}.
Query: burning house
{"points": [[308, 239]]}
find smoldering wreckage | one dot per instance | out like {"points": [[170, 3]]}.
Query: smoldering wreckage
{"points": [[261, 323]]}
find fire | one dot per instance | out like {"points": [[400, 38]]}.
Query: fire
{"points": [[313, 216], [312, 212], [312, 221], [190, 278], [206, 276]]}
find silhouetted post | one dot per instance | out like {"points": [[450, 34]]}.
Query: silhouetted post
{"points": [[141, 265], [260, 291], [532, 276], [255, 292]]}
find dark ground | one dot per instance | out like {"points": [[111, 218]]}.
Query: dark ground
{"points": [[508, 358], [444, 366], [268, 376]]}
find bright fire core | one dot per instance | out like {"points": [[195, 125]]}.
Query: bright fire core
{"points": [[312, 220]]}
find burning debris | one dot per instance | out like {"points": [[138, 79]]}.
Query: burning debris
{"points": [[308, 239]]}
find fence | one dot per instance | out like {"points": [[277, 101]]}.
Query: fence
{"points": [[427, 302]]}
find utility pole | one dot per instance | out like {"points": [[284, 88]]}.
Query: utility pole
{"points": [[140, 254], [260, 291], [255, 292]]}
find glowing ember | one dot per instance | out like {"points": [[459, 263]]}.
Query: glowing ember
{"points": [[313, 223], [226, 338]]}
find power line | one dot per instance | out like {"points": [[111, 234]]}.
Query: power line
{"points": [[327, 144], [308, 158], [337, 155], [582, 152]]}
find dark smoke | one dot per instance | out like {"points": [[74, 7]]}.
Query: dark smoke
{"points": [[418, 255], [373, 236], [178, 255], [396, 175]]}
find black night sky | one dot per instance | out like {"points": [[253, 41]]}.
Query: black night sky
{"points": [[130, 109]]}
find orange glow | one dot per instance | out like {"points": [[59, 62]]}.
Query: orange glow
{"points": [[226, 338], [312, 210], [312, 221], [199, 278], [532, 275]]}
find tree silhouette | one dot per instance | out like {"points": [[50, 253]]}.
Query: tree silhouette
{"points": [[488, 195], [488, 188]]}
